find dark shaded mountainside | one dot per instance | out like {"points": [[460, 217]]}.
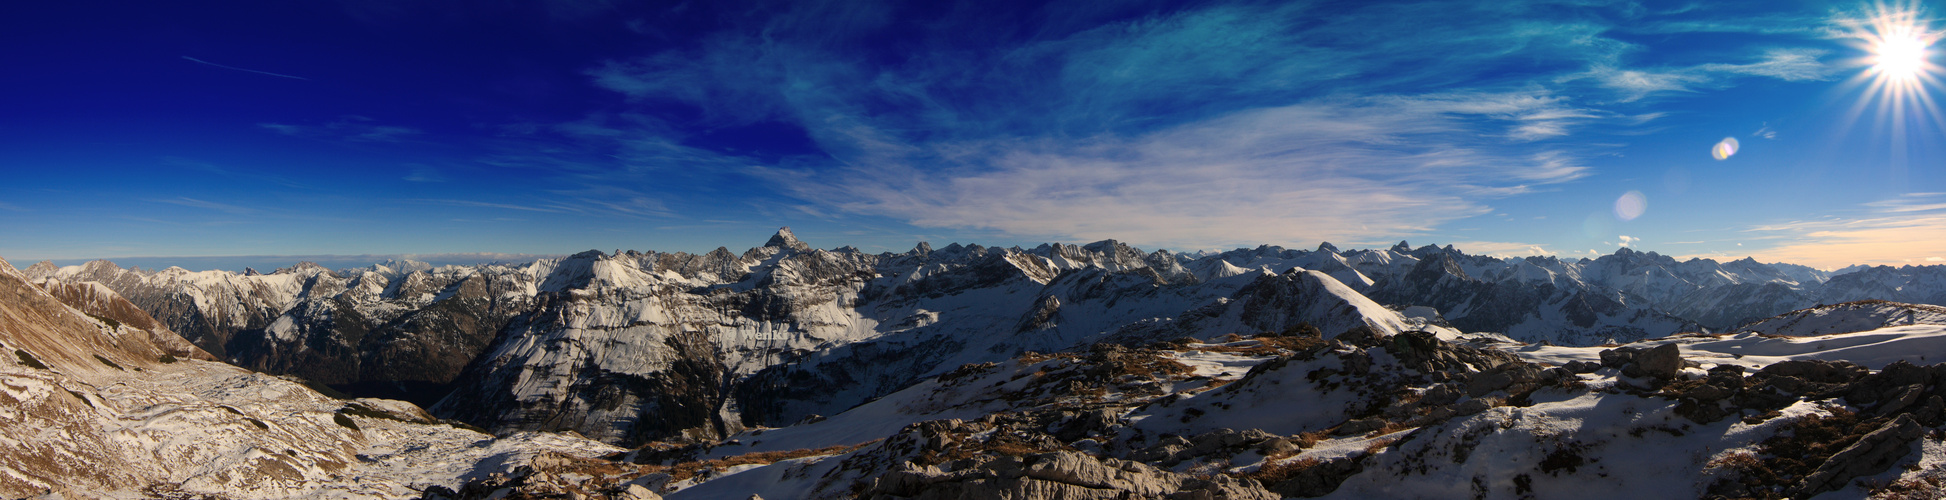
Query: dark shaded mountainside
{"points": [[632, 347]]}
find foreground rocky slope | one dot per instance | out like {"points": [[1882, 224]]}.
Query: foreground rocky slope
{"points": [[1361, 415], [98, 402]]}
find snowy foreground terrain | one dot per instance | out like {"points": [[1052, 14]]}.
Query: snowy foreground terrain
{"points": [[1096, 371]]}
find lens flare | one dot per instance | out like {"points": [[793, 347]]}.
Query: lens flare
{"points": [[1631, 205], [1724, 149], [1899, 74]]}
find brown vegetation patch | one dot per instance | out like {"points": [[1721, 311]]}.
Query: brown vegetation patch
{"points": [[1797, 450], [1277, 472], [1921, 488], [687, 470]]}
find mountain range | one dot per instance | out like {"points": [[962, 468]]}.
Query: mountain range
{"points": [[1236, 374], [632, 347]]}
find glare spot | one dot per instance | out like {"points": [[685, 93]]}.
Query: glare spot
{"points": [[1631, 205], [1725, 148], [1900, 55], [1676, 180], [1597, 226]]}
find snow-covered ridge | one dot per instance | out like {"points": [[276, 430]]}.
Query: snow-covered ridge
{"points": [[1849, 317]]}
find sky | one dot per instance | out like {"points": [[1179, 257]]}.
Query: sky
{"points": [[491, 130]]}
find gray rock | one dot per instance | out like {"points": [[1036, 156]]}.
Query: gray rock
{"points": [[1439, 395], [1360, 426], [1581, 366], [1905, 398], [1709, 393], [1664, 361], [637, 492], [1277, 446], [1618, 357], [1485, 383]]}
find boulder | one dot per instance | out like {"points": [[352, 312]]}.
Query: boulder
{"points": [[1581, 366], [1485, 383], [1663, 362]]}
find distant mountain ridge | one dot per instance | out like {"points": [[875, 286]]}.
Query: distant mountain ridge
{"points": [[629, 347]]}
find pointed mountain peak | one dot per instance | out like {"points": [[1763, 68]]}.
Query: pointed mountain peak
{"points": [[42, 269], [301, 267], [1402, 247], [1327, 247], [251, 271], [922, 248], [784, 239]]}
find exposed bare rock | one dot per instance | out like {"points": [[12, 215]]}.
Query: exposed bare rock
{"points": [[1873, 454], [1663, 361]]}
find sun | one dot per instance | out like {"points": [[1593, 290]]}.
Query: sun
{"points": [[1899, 77], [1899, 55]]}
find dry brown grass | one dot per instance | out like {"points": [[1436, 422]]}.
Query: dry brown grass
{"points": [[1310, 439], [1907, 489], [1738, 461], [1390, 427], [1266, 345], [1031, 357], [686, 470], [1277, 472], [1379, 445]]}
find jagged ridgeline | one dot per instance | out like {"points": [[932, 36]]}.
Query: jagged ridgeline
{"points": [[630, 347]]}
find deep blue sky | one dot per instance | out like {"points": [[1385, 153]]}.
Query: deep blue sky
{"points": [[430, 127]]}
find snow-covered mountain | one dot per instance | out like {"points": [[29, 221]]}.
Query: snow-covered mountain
{"points": [[1061, 371], [631, 347], [98, 401]]}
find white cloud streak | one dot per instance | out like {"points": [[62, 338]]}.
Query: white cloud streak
{"points": [[1338, 170], [234, 68], [221, 207]]}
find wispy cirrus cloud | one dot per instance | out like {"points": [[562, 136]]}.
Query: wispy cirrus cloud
{"points": [[1903, 230], [1223, 122], [1633, 84], [506, 206], [220, 207], [1503, 249], [349, 128], [234, 68], [1341, 170]]}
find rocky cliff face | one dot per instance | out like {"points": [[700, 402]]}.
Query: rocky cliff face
{"points": [[98, 401], [389, 332]]}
